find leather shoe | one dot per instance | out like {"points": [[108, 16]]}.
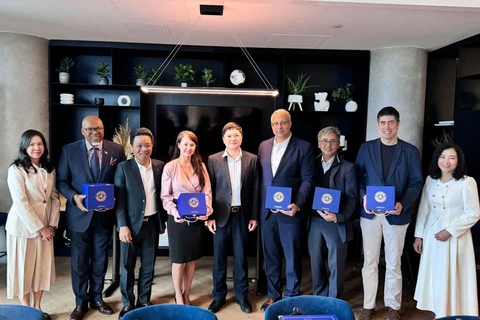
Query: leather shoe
{"points": [[102, 307], [146, 304], [78, 313], [267, 304], [216, 305], [124, 310], [245, 305]]}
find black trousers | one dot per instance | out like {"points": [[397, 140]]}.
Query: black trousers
{"points": [[145, 243], [89, 253], [234, 232]]}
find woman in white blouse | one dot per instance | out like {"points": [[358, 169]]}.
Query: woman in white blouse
{"points": [[31, 221], [449, 207]]}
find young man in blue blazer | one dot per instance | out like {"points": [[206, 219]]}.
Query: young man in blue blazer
{"points": [[387, 161]]}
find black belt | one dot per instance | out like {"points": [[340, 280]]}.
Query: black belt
{"points": [[145, 219], [235, 208]]}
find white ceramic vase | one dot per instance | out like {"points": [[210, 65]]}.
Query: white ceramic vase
{"points": [[64, 77], [351, 106]]}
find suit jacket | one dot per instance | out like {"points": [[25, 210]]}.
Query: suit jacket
{"points": [[296, 170], [405, 175], [222, 189], [343, 177], [32, 207], [74, 170], [131, 198]]}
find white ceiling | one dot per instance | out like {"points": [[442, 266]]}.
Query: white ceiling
{"points": [[258, 23]]}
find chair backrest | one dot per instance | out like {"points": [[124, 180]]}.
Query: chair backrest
{"points": [[170, 312], [16, 312], [459, 318], [310, 305]]}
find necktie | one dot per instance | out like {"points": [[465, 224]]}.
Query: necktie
{"points": [[95, 164]]}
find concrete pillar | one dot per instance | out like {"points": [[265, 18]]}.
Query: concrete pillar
{"points": [[23, 99], [398, 79]]}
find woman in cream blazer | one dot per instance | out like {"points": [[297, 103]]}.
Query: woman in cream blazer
{"points": [[31, 221], [449, 207]]}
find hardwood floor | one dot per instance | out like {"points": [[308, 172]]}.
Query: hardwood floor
{"points": [[59, 301]]}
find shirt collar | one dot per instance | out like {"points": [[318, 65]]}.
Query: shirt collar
{"points": [[89, 146], [225, 154], [142, 167], [275, 143]]}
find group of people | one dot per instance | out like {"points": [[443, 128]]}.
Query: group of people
{"points": [[234, 183]]}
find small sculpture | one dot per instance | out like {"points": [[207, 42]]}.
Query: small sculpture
{"points": [[323, 104]]}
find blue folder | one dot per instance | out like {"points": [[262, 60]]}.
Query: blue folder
{"points": [[191, 204], [380, 198], [278, 198], [99, 196], [327, 199]]}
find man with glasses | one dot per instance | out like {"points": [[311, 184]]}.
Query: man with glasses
{"points": [[286, 161], [87, 161], [329, 232], [387, 161]]}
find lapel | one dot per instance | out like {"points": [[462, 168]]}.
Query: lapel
{"points": [[396, 158], [335, 167], [157, 178], [136, 175], [286, 155], [377, 159], [268, 156], [225, 172], [105, 161], [244, 164], [84, 159], [39, 186]]}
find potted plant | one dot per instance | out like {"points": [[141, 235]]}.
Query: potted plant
{"points": [[184, 73], [207, 77], [140, 75], [153, 76], [296, 89], [64, 69], [345, 94], [102, 71]]}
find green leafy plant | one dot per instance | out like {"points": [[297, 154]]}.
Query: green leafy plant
{"points": [[102, 70], [299, 85], [65, 65], [153, 75], [207, 77], [140, 72], [184, 73], [344, 93]]}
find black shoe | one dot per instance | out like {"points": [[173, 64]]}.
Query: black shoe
{"points": [[146, 304], [245, 305], [102, 307], [124, 310], [47, 316], [216, 305]]}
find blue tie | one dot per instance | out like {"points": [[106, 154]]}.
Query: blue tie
{"points": [[95, 164]]}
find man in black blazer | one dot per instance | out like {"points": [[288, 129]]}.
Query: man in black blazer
{"points": [[88, 161], [140, 218], [286, 161], [234, 175], [329, 232]]}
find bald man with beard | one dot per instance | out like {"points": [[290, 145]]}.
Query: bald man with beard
{"points": [[90, 160]]}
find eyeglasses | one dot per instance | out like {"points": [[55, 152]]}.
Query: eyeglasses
{"points": [[90, 130], [331, 142], [281, 123]]}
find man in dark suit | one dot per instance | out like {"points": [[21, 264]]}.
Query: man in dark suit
{"points": [[140, 218], [330, 232], [387, 161], [234, 175], [92, 160], [286, 161]]}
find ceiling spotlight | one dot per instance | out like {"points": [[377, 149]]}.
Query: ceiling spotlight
{"points": [[337, 26]]}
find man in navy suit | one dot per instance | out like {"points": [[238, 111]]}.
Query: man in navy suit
{"points": [[387, 161], [92, 160], [286, 161], [140, 218], [330, 232], [235, 178]]}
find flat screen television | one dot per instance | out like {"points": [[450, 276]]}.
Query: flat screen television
{"points": [[207, 123]]}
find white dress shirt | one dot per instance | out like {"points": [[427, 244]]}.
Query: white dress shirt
{"points": [[327, 164], [149, 186], [235, 172], [277, 153]]}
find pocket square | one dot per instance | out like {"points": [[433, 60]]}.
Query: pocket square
{"points": [[112, 162]]}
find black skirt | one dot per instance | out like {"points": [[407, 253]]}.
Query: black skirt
{"points": [[185, 240]]}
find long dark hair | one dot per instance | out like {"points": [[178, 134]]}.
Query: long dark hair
{"points": [[461, 169], [196, 160], [23, 159]]}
